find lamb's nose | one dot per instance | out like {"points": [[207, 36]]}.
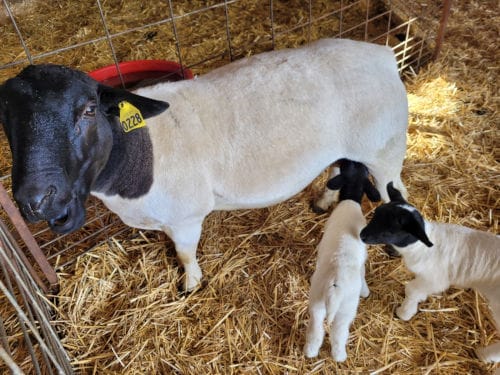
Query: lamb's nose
{"points": [[362, 235]]}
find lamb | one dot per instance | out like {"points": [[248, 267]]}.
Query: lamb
{"points": [[463, 257], [246, 135], [339, 278]]}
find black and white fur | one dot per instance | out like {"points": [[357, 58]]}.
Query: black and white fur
{"points": [[461, 257], [246, 135], [339, 278]]}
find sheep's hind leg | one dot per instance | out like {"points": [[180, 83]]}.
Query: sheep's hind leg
{"points": [[186, 238], [382, 176], [323, 203], [490, 353]]}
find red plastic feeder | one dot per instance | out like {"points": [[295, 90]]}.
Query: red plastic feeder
{"points": [[140, 73]]}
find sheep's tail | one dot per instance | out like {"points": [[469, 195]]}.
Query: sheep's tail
{"points": [[333, 302]]}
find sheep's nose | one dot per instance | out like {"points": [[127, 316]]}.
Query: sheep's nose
{"points": [[33, 203]]}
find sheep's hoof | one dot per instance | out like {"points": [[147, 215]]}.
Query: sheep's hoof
{"points": [[391, 251], [185, 292], [365, 293]]}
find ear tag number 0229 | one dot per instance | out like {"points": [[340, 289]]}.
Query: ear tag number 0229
{"points": [[130, 117]]}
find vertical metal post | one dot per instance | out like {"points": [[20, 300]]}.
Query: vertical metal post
{"points": [[442, 27], [110, 42], [176, 36], [228, 32], [28, 239], [271, 14]]}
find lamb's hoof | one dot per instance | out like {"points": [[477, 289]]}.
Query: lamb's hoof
{"points": [[311, 350], [391, 251], [340, 356], [185, 289], [317, 209], [403, 314]]}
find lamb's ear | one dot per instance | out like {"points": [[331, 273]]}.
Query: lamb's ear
{"points": [[416, 228], [394, 194], [110, 97], [335, 183], [371, 191]]}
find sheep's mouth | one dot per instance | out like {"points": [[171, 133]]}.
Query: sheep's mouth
{"points": [[71, 218]]}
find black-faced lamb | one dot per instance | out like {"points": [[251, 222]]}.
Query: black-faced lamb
{"points": [[339, 278], [246, 135], [461, 257]]}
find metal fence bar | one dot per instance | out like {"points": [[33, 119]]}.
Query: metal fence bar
{"points": [[110, 42], [228, 32], [37, 314], [442, 27], [27, 237], [11, 16]]}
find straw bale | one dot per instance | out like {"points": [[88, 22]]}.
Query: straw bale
{"points": [[119, 309]]}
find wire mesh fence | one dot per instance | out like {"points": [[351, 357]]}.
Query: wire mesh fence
{"points": [[199, 35], [29, 340]]}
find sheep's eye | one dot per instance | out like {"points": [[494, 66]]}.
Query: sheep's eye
{"points": [[90, 110]]}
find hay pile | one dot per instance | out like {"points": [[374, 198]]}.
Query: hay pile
{"points": [[119, 307], [122, 312]]}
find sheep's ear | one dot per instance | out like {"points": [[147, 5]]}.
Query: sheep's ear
{"points": [[2, 109], [416, 228], [110, 97], [394, 194], [371, 191], [335, 183]]}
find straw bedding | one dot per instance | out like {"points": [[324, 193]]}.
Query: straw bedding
{"points": [[120, 311]]}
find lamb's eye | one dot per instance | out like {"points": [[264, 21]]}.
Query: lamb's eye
{"points": [[90, 110]]}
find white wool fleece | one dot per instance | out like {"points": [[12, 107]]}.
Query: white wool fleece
{"points": [[257, 131], [461, 257], [338, 281]]}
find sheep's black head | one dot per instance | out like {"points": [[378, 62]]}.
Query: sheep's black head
{"points": [[353, 182], [395, 223], [59, 125]]}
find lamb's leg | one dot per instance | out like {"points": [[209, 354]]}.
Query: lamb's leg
{"points": [[490, 353], [329, 196], [365, 291], [339, 328], [315, 331], [416, 291], [186, 237]]}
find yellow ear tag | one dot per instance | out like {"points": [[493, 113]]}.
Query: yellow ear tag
{"points": [[130, 117]]}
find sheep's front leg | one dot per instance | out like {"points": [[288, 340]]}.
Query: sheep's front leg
{"points": [[490, 353], [186, 238], [329, 196], [416, 291]]}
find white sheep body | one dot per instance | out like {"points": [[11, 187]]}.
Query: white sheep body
{"points": [[338, 281], [257, 131], [461, 257]]}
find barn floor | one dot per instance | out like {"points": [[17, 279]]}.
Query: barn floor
{"points": [[119, 307]]}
